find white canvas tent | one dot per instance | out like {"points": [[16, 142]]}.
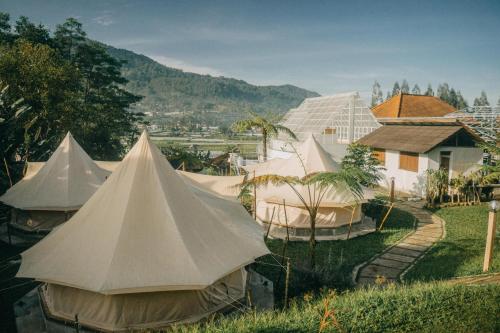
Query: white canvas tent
{"points": [[50, 192], [337, 208], [148, 249]]}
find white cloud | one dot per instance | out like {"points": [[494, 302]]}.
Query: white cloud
{"points": [[187, 67], [105, 19]]}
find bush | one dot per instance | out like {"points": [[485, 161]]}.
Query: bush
{"points": [[420, 307]]}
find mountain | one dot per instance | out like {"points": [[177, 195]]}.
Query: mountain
{"points": [[172, 91]]}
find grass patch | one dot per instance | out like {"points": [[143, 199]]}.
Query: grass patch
{"points": [[461, 253], [431, 307], [335, 260]]}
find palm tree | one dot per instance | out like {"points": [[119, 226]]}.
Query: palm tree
{"points": [[266, 126], [316, 186]]}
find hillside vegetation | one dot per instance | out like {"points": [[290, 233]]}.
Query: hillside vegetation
{"points": [[168, 90]]}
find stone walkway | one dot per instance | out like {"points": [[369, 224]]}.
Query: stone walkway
{"points": [[390, 264]]}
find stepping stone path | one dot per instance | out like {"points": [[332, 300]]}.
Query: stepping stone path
{"points": [[388, 266]]}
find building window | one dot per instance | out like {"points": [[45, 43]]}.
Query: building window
{"points": [[379, 154], [444, 160], [329, 130], [408, 161]]}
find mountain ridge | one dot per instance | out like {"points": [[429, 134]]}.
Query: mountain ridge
{"points": [[168, 90]]}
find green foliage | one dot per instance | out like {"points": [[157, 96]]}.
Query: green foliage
{"points": [[335, 260], [491, 169], [69, 84], [430, 307], [444, 92], [436, 185], [461, 253], [181, 158], [267, 127], [219, 100], [360, 157], [482, 100], [10, 114]]}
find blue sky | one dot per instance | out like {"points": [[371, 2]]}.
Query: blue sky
{"points": [[325, 46]]}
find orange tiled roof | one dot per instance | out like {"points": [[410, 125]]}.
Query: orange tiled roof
{"points": [[407, 105]]}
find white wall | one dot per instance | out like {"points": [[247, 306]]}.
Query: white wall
{"points": [[463, 160], [404, 181]]}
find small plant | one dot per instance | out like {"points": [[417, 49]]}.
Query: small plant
{"points": [[437, 186]]}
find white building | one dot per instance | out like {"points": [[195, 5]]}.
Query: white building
{"points": [[407, 150], [335, 121]]}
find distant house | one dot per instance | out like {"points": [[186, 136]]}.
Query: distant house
{"points": [[412, 106], [408, 149]]}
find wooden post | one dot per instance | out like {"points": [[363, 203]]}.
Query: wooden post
{"points": [[392, 189], [77, 324], [286, 222], [254, 198], [490, 240], [386, 216], [287, 279], [270, 223]]}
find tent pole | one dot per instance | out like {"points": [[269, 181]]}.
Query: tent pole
{"points": [[350, 222], [285, 244], [270, 223], [254, 198]]}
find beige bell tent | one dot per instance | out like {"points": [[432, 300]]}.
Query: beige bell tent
{"points": [[338, 209], [226, 186], [51, 192], [148, 249]]}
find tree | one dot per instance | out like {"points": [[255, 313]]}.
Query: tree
{"points": [[482, 100], [11, 111], [405, 88], [266, 127], [461, 102], [416, 90], [429, 91], [396, 89], [68, 37], [491, 169], [36, 74], [36, 34], [452, 98], [5, 33], [361, 157], [443, 92], [377, 95], [69, 84]]}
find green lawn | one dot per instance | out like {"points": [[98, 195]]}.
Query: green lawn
{"points": [[430, 307], [335, 260], [461, 253]]}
